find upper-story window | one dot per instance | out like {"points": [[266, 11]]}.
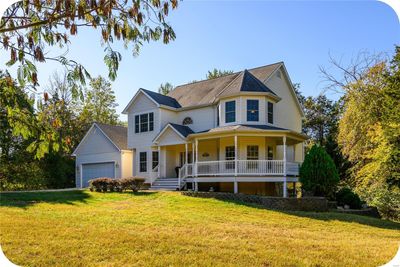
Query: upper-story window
{"points": [[252, 110], [230, 111], [144, 122], [270, 111]]}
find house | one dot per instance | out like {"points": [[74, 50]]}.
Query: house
{"points": [[239, 133]]}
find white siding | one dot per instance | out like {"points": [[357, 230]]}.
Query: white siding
{"points": [[203, 118], [170, 137], [287, 115], [141, 105], [168, 116], [95, 143], [126, 164]]}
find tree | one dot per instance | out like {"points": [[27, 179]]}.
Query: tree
{"points": [[165, 88], [318, 173], [29, 28], [99, 104], [215, 73], [369, 129]]}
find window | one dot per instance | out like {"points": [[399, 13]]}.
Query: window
{"points": [[143, 162], [252, 155], [270, 114], [144, 122], [218, 116], [187, 121], [151, 121], [230, 111], [252, 110], [154, 159], [137, 129], [230, 155]]}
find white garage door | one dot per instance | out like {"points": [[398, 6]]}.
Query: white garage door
{"points": [[96, 170]]}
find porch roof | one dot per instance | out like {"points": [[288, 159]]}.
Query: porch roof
{"points": [[249, 128]]}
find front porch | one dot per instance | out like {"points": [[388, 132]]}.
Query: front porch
{"points": [[235, 159]]}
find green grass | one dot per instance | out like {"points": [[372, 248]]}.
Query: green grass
{"points": [[81, 228]]}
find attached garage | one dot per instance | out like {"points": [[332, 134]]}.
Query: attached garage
{"points": [[103, 153]]}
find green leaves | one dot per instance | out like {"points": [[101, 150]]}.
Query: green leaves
{"points": [[112, 59]]}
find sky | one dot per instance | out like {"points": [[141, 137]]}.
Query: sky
{"points": [[238, 35]]}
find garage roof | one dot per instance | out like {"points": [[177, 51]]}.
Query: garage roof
{"points": [[117, 134]]}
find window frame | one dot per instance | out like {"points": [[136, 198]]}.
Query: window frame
{"points": [[144, 127], [232, 157], [270, 112], [230, 112], [253, 112], [143, 161]]}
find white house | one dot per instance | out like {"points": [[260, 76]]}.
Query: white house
{"points": [[239, 133]]}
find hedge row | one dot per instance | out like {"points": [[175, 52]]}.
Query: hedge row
{"points": [[105, 184]]}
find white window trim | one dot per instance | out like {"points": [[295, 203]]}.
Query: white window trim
{"points": [[259, 115], [148, 124], [236, 113]]}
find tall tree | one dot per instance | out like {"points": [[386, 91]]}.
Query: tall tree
{"points": [[369, 130], [99, 104], [165, 88], [215, 73], [30, 28]]}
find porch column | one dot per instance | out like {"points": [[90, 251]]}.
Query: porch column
{"points": [[236, 157], [186, 158], [159, 162], [284, 168], [197, 155]]}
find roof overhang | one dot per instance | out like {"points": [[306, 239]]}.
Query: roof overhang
{"points": [[267, 94]]}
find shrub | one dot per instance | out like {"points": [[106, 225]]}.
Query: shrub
{"points": [[347, 197], [318, 173], [100, 184], [131, 183], [387, 201]]}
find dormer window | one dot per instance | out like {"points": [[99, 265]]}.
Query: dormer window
{"points": [[230, 111], [252, 110], [187, 121]]}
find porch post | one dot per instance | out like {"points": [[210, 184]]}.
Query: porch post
{"points": [[159, 163], [197, 155], [186, 158], [236, 157], [284, 168]]}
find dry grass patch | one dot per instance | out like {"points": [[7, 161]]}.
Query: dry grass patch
{"points": [[82, 228]]}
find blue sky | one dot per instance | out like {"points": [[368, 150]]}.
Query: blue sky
{"points": [[235, 35]]}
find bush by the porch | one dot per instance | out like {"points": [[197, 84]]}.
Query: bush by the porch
{"points": [[318, 173], [100, 184], [131, 183]]}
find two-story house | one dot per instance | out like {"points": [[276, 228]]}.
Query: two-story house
{"points": [[238, 133]]}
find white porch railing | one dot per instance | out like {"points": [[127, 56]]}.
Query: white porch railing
{"points": [[238, 167]]}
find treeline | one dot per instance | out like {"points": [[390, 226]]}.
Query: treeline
{"points": [[361, 131], [38, 132]]}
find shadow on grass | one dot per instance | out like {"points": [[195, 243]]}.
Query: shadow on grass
{"points": [[24, 200], [328, 216]]}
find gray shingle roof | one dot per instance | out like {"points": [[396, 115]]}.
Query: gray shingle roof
{"points": [[205, 92], [245, 82], [163, 99], [117, 134], [182, 129]]}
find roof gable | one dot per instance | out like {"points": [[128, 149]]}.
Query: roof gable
{"points": [[115, 137], [173, 134]]}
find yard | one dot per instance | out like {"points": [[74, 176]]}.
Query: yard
{"points": [[167, 229]]}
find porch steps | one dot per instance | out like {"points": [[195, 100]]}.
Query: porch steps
{"points": [[165, 184]]}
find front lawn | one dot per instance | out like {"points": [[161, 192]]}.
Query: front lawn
{"points": [[167, 229]]}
